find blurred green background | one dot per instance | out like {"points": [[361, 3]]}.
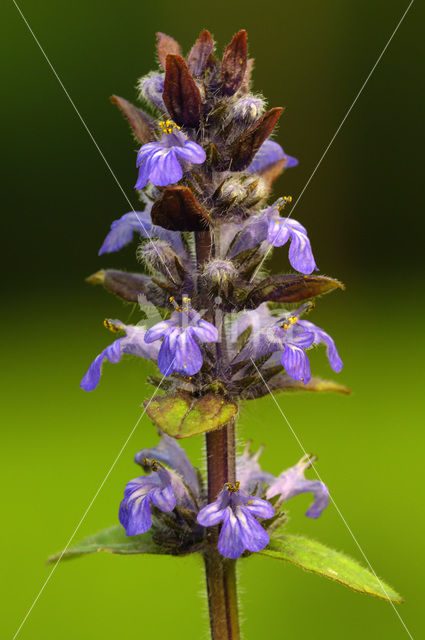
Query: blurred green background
{"points": [[363, 210]]}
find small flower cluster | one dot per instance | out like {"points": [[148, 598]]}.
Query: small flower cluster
{"points": [[173, 487]]}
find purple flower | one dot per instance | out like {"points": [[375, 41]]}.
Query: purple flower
{"points": [[247, 110], [294, 358], [268, 154], [237, 507], [140, 493], [165, 489], [280, 230], [250, 474], [162, 162], [286, 336], [321, 336], [181, 335], [292, 482], [268, 225], [132, 343], [151, 88], [169, 452], [123, 229], [240, 530], [272, 334]]}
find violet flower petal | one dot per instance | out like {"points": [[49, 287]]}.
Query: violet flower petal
{"points": [[212, 514], [112, 353], [165, 168], [204, 331], [321, 336], [159, 161], [259, 508], [292, 482], [133, 343], [164, 499], [136, 517], [269, 153], [188, 356], [191, 152], [169, 452], [231, 542], [123, 229], [296, 363], [159, 330]]}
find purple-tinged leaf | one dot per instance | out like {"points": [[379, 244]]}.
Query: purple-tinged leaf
{"points": [[166, 45], [179, 210], [199, 54], [143, 125], [233, 65], [181, 95], [246, 82], [129, 286], [246, 146]]}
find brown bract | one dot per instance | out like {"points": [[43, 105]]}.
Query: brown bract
{"points": [[181, 95], [292, 287], [246, 82], [246, 146], [179, 210], [233, 65], [199, 54], [129, 286], [165, 45], [143, 125]]}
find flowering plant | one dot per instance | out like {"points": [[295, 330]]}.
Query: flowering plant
{"points": [[220, 330]]}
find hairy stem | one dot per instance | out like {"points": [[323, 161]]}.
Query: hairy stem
{"points": [[220, 459], [220, 572], [222, 598]]}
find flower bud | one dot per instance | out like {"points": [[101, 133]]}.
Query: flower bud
{"points": [[246, 110], [159, 256], [151, 87], [231, 192], [256, 190], [244, 191], [219, 275]]}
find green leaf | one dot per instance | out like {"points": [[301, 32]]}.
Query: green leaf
{"points": [[314, 556], [181, 416], [112, 540]]}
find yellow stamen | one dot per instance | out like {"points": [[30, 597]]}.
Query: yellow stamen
{"points": [[152, 463], [231, 488], [282, 202], [292, 320], [112, 327], [168, 126]]}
